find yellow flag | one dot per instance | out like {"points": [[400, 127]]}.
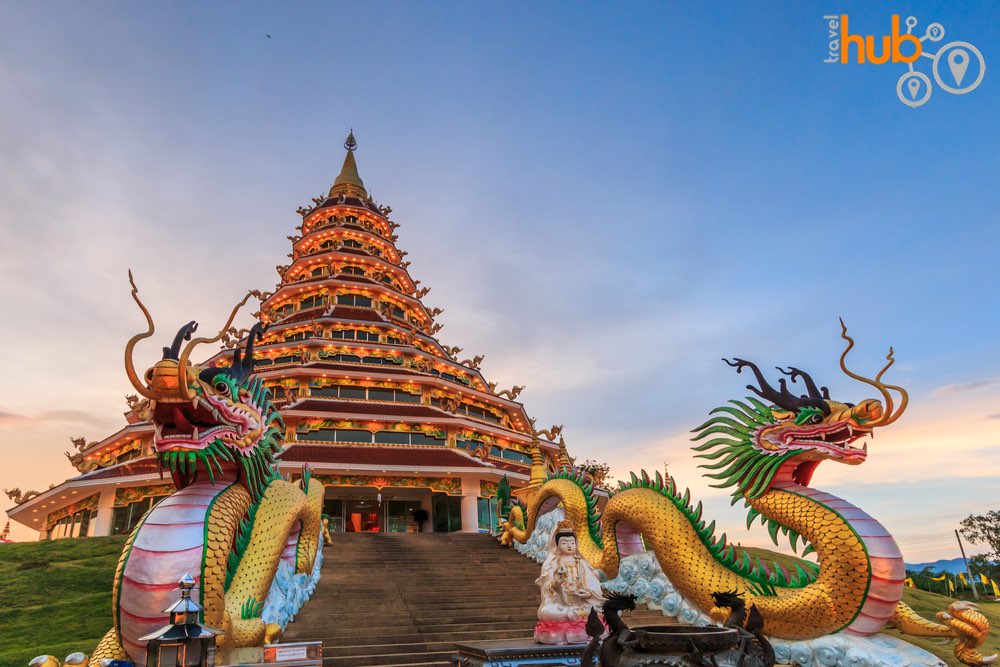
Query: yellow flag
{"points": [[982, 578], [996, 591], [941, 578], [909, 583], [951, 587], [961, 576]]}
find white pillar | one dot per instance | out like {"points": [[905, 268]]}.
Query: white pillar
{"points": [[470, 504], [101, 526], [470, 513]]}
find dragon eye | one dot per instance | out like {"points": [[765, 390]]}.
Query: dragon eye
{"points": [[149, 375], [815, 419], [222, 387]]}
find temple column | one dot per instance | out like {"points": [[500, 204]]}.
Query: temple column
{"points": [[470, 505], [101, 527], [470, 513]]}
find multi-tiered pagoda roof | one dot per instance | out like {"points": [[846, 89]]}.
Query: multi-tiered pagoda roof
{"points": [[372, 401]]}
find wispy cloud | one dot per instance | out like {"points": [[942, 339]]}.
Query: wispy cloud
{"points": [[995, 415], [962, 387], [62, 416]]}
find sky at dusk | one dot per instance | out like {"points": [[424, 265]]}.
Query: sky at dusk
{"points": [[605, 199]]}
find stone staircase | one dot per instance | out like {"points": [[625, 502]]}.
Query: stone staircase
{"points": [[405, 599]]}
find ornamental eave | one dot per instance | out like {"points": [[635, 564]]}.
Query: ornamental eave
{"points": [[37, 503], [132, 430], [446, 419]]}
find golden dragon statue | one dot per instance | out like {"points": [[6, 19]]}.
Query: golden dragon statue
{"points": [[766, 449], [232, 520]]}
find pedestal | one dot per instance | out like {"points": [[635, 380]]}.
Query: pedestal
{"points": [[516, 652]]}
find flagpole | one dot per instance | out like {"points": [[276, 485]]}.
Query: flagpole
{"points": [[968, 572]]}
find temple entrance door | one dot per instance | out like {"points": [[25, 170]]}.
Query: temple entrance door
{"points": [[363, 516], [399, 516], [447, 513]]}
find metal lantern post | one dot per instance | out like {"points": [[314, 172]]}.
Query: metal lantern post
{"points": [[184, 642]]}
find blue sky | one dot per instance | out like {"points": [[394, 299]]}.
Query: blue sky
{"points": [[605, 199]]}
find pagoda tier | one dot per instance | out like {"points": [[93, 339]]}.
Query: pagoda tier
{"points": [[371, 400]]}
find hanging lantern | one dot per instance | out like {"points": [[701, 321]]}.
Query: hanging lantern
{"points": [[184, 642]]}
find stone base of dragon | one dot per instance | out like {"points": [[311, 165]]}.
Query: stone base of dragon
{"points": [[766, 452]]}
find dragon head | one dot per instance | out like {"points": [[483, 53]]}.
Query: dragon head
{"points": [[728, 600], [217, 421], [791, 433]]}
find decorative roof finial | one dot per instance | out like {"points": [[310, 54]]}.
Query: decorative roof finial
{"points": [[349, 181], [351, 144]]}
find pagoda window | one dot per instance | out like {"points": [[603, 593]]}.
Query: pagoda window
{"points": [[288, 358], [351, 392], [301, 335], [376, 394], [397, 312], [353, 219], [312, 301], [424, 439], [354, 300], [124, 519], [318, 271], [349, 358], [351, 243], [343, 334], [392, 438], [262, 362], [520, 457], [382, 361], [326, 245], [392, 340], [387, 280], [74, 525], [346, 435], [367, 335], [480, 413], [353, 270], [496, 451], [129, 455], [407, 438]]}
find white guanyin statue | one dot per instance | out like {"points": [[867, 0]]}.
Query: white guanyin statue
{"points": [[570, 586]]}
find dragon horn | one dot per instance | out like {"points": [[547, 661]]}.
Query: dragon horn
{"points": [[130, 346], [888, 416], [256, 334], [189, 348], [184, 333]]}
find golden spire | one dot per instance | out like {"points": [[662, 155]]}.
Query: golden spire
{"points": [[538, 471], [564, 462], [349, 181]]}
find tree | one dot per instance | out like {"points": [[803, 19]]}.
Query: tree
{"points": [[980, 564], [984, 528], [598, 473]]}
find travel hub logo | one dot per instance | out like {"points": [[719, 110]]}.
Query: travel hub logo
{"points": [[962, 63]]}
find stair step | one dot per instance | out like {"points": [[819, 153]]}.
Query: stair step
{"points": [[388, 658], [404, 600]]}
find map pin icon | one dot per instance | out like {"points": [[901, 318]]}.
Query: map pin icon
{"points": [[914, 86], [958, 62]]}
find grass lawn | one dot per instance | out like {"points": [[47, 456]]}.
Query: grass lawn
{"points": [[57, 599], [56, 596]]}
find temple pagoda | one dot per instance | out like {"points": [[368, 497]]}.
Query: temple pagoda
{"points": [[386, 417]]}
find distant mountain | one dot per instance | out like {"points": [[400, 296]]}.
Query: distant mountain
{"points": [[952, 565]]}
